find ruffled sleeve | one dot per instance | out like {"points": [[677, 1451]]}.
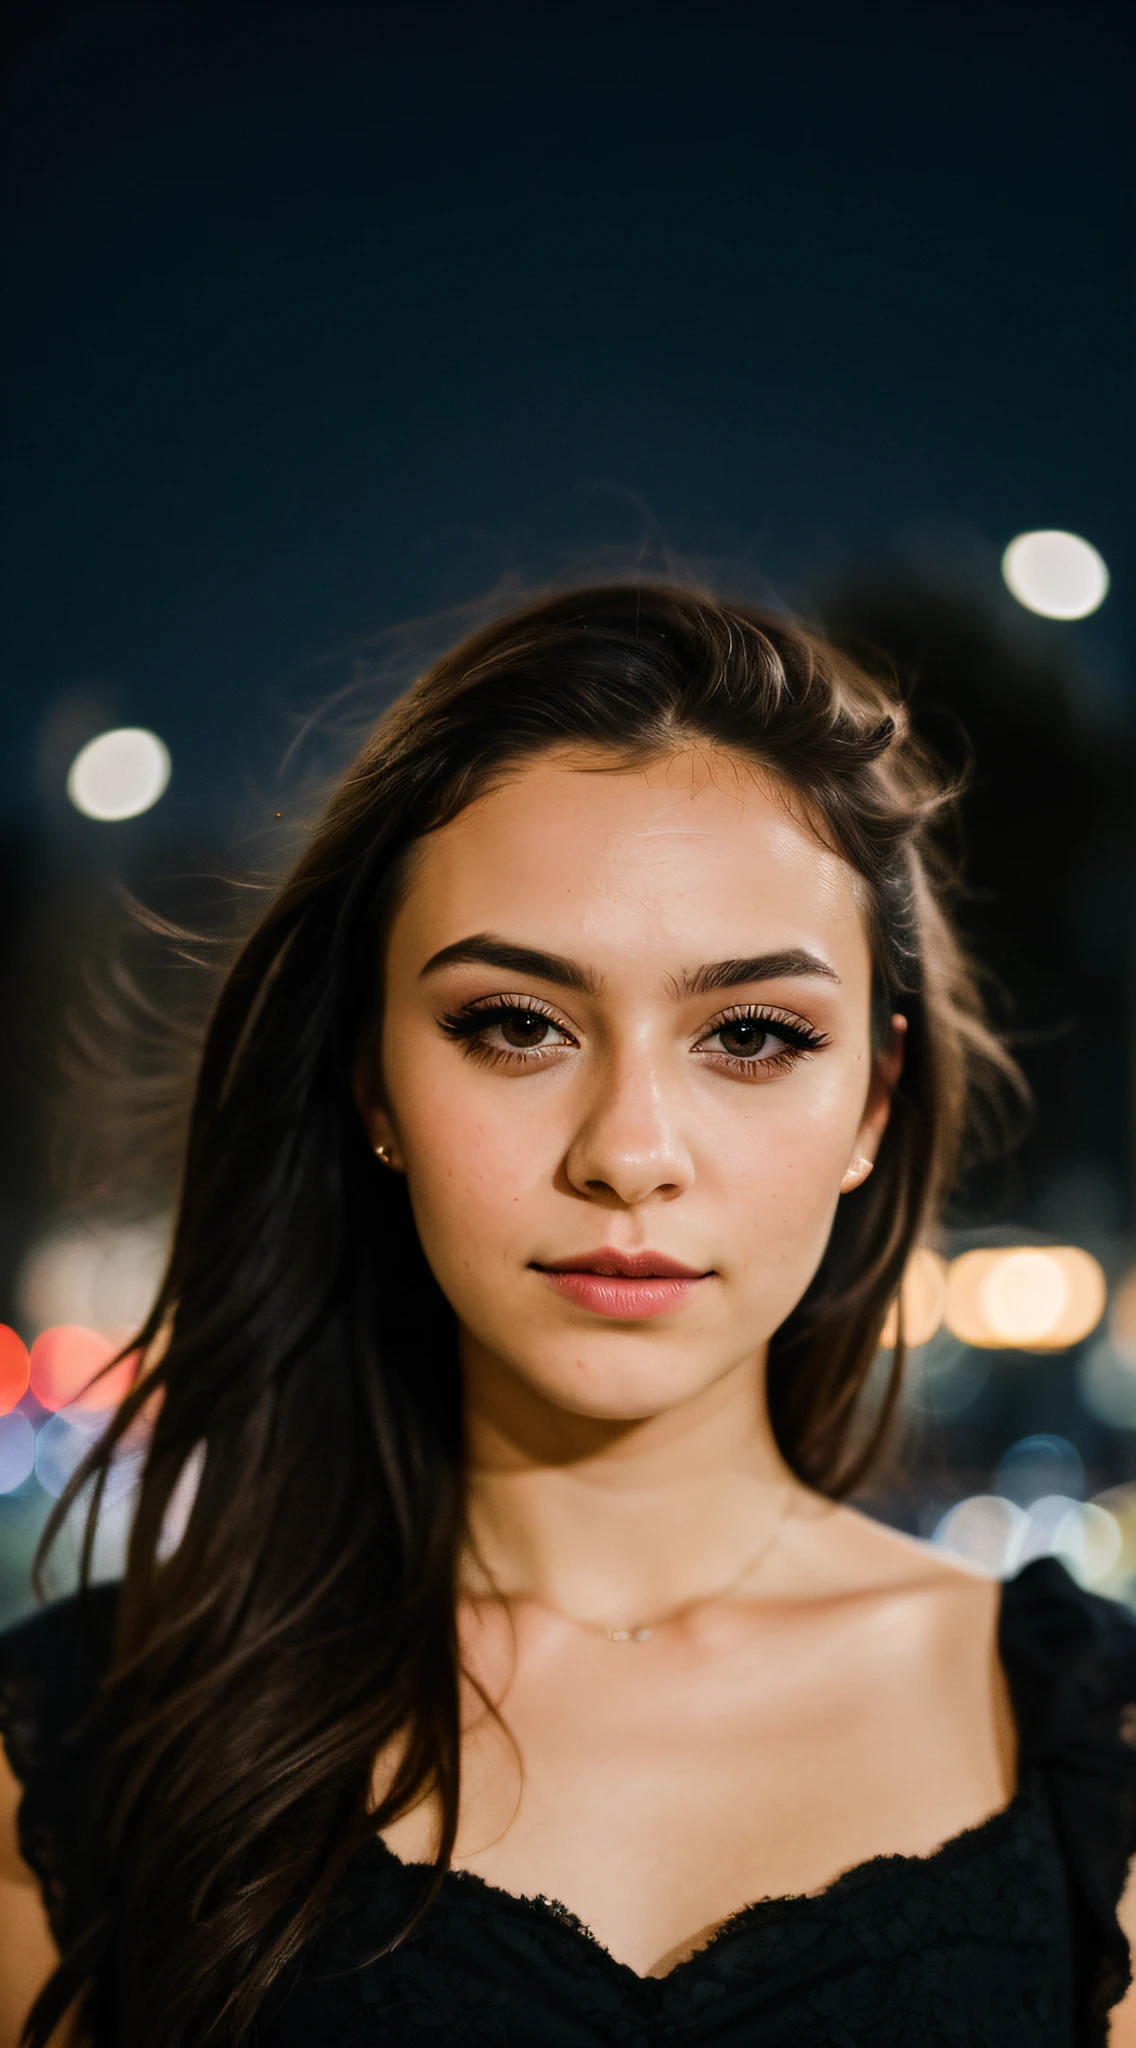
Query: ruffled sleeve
{"points": [[51, 1667], [1070, 1658]]}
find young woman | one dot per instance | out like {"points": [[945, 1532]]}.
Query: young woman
{"points": [[516, 1677]]}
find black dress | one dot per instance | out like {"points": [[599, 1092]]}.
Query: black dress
{"points": [[1006, 1937]]}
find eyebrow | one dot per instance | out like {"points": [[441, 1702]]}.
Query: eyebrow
{"points": [[759, 967], [484, 950]]}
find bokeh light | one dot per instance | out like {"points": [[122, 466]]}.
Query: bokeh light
{"points": [[1122, 1318], [1021, 1296], [1045, 1521], [1031, 1297], [62, 1444], [1089, 1541], [1056, 574], [1086, 1292], [1106, 1383], [924, 1294], [1039, 1466], [179, 1506], [64, 1364], [1037, 1509], [1000, 1537], [1119, 1502], [944, 1377], [964, 1313], [119, 775], [986, 1530], [103, 1277], [17, 1451], [14, 1368]]}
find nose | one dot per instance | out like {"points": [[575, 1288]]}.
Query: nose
{"points": [[629, 1148]]}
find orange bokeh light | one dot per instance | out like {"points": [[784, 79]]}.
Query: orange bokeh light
{"points": [[64, 1361], [14, 1366], [924, 1292], [1028, 1297]]}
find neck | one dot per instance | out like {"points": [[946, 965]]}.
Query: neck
{"points": [[611, 1521]]}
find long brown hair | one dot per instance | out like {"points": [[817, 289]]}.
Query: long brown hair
{"points": [[306, 1618]]}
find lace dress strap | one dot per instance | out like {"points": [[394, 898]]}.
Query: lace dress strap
{"points": [[51, 1667], [1070, 1658]]}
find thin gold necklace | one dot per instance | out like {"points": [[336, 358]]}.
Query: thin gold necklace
{"points": [[643, 1631]]}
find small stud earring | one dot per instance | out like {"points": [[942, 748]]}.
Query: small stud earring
{"points": [[856, 1174], [382, 1153]]}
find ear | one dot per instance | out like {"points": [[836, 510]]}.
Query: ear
{"points": [[366, 1088], [886, 1069]]}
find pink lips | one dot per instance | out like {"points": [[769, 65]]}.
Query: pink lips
{"points": [[624, 1285]]}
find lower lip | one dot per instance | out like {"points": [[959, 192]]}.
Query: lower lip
{"points": [[609, 1294]]}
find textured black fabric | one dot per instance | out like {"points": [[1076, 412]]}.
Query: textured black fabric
{"points": [[1006, 1937]]}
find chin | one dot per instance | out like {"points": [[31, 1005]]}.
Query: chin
{"points": [[619, 1389]]}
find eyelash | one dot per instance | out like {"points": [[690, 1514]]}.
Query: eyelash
{"points": [[468, 1027]]}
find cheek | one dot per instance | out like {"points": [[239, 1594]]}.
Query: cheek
{"points": [[474, 1162], [796, 1135], [776, 1170]]}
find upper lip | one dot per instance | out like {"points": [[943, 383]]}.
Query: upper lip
{"points": [[626, 1265]]}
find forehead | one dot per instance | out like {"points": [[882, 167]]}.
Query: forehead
{"points": [[695, 855]]}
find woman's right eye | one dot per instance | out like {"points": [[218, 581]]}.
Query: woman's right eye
{"points": [[501, 1031], [524, 1029]]}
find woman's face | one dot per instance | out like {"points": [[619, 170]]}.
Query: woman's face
{"points": [[626, 1022]]}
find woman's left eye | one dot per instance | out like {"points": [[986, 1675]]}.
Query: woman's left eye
{"points": [[762, 1041]]}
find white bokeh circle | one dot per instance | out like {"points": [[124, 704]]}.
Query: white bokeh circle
{"points": [[119, 775], [1056, 574]]}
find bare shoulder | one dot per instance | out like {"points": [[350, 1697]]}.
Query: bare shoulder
{"points": [[870, 1553], [914, 1633], [855, 1561]]}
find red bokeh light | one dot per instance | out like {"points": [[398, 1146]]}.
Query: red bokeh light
{"points": [[64, 1361], [14, 1365]]}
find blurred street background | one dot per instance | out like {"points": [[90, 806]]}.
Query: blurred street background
{"points": [[330, 328]]}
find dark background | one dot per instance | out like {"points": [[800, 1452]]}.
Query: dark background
{"points": [[326, 320]]}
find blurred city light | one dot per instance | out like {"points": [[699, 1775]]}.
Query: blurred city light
{"points": [[1001, 1537], [1122, 1320], [64, 1364], [1106, 1383], [1056, 574], [61, 1446], [986, 1530], [1021, 1296], [118, 775], [179, 1507], [1086, 1292], [63, 1442], [944, 1376], [923, 1291], [17, 1451], [1044, 1523], [1031, 1297], [14, 1368], [1038, 1466], [1089, 1540], [964, 1313], [102, 1277], [1119, 1502]]}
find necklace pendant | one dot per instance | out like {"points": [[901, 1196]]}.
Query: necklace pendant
{"points": [[628, 1635]]}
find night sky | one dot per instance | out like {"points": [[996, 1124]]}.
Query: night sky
{"points": [[323, 317]]}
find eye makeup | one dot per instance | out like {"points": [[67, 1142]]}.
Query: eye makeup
{"points": [[509, 1030]]}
